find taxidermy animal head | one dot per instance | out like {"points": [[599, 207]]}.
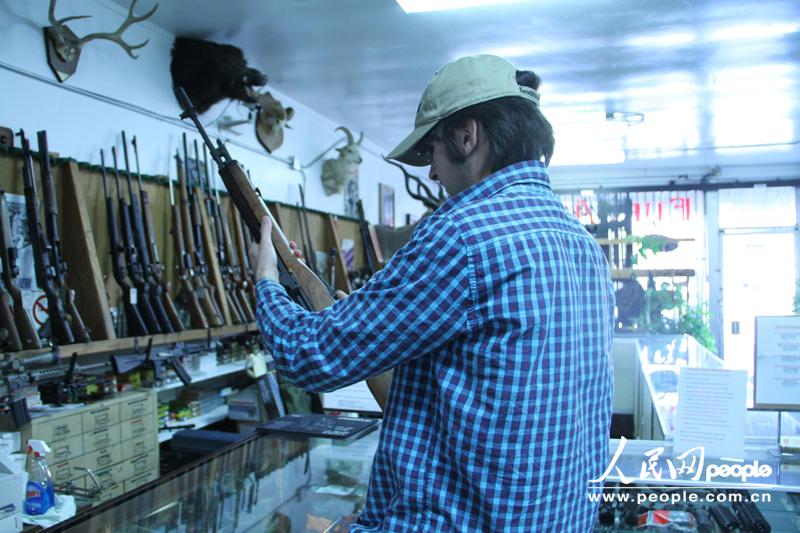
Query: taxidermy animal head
{"points": [[271, 119], [64, 47], [336, 172], [210, 72]]}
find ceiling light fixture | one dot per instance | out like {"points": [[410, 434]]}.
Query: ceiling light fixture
{"points": [[422, 6], [755, 31], [631, 118], [663, 39]]}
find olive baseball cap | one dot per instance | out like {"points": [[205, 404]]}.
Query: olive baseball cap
{"points": [[467, 81]]}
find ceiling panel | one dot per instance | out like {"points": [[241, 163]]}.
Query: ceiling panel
{"points": [[704, 73]]}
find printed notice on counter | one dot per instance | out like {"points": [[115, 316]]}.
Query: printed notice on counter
{"points": [[777, 363], [355, 397], [712, 405]]}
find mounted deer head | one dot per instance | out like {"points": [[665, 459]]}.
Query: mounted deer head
{"points": [[64, 47]]}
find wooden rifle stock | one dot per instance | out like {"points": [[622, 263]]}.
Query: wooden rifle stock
{"points": [[22, 317], [300, 282], [202, 289], [79, 329], [184, 262], [45, 271], [9, 337]]}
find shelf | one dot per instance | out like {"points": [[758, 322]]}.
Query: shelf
{"points": [[199, 377], [627, 273], [220, 413], [131, 343]]}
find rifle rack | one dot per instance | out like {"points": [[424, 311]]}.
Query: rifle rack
{"points": [[84, 233]]}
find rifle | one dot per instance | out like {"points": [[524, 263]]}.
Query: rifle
{"points": [[184, 263], [25, 329], [243, 253], [79, 329], [13, 377], [305, 233], [298, 280], [155, 290], [136, 324], [9, 337], [123, 364], [194, 241], [237, 314], [132, 257], [45, 272], [366, 239], [156, 267], [240, 281]]}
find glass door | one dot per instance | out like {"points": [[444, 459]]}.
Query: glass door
{"points": [[758, 279]]}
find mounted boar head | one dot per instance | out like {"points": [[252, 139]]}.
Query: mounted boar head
{"points": [[210, 72]]}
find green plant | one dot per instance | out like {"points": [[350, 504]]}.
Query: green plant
{"points": [[666, 310], [796, 306]]}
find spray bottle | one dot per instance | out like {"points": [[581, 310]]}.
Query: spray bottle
{"points": [[40, 493]]}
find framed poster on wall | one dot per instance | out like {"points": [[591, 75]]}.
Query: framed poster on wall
{"points": [[777, 363], [386, 195]]}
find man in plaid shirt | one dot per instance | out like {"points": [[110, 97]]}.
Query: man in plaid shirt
{"points": [[496, 318]]}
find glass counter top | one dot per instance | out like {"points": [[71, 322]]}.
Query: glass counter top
{"points": [[263, 483], [661, 358]]}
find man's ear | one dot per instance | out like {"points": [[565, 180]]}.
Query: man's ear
{"points": [[467, 136]]}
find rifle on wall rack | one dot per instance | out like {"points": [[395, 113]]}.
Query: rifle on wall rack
{"points": [[25, 329], [237, 313], [135, 269], [133, 318], [240, 239], [155, 291], [156, 267], [184, 263], [60, 330], [240, 281], [193, 242], [298, 280], [79, 330]]}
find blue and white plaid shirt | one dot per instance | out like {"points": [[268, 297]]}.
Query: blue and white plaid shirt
{"points": [[497, 318]]}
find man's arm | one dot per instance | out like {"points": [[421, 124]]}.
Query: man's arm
{"points": [[418, 303]]}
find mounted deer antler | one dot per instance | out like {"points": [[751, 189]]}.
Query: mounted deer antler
{"points": [[67, 45], [422, 193]]}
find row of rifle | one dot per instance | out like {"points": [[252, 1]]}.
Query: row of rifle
{"points": [[200, 229], [64, 325], [148, 306]]}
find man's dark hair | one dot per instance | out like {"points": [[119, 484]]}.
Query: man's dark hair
{"points": [[516, 129]]}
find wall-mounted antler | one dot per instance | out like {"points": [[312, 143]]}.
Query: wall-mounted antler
{"points": [[64, 47], [422, 192]]}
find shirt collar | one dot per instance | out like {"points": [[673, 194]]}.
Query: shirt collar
{"points": [[524, 172]]}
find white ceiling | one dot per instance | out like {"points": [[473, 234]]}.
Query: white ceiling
{"points": [[705, 74]]}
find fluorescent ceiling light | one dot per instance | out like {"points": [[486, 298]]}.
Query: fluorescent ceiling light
{"points": [[421, 6], [754, 31], [662, 40]]}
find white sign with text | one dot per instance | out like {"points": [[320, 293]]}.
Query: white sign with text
{"points": [[712, 404]]}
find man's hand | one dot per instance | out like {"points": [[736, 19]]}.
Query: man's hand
{"points": [[266, 260]]}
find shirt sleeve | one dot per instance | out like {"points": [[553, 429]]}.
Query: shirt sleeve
{"points": [[415, 305]]}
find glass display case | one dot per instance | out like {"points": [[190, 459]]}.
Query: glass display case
{"points": [[660, 360], [264, 483]]}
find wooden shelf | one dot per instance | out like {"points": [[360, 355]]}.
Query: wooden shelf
{"points": [[627, 273], [130, 343]]}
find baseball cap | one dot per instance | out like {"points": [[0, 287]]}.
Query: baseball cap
{"points": [[467, 81]]}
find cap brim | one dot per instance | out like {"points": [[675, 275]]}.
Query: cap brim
{"points": [[405, 152]]}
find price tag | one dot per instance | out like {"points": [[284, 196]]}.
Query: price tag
{"points": [[134, 296]]}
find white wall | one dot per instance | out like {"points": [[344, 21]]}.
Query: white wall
{"points": [[79, 125]]}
